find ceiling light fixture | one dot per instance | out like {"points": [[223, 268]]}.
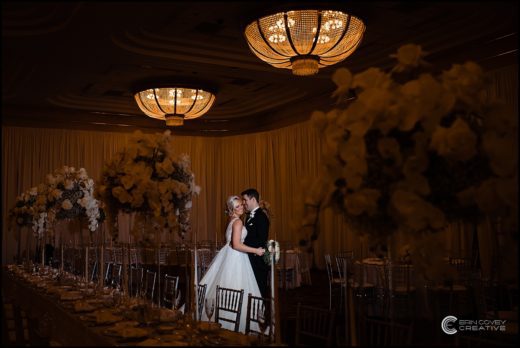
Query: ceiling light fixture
{"points": [[304, 40], [174, 104]]}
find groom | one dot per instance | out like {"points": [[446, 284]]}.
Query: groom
{"points": [[257, 225]]}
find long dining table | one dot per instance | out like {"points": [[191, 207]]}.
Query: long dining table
{"points": [[73, 313]]}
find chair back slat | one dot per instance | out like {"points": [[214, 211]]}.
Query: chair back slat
{"points": [[229, 301]]}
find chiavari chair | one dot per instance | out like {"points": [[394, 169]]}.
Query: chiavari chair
{"points": [[333, 279], [149, 285], [201, 297], [107, 256], [136, 280], [229, 304], [377, 333], [314, 325], [400, 289], [258, 314], [305, 268], [171, 284]]}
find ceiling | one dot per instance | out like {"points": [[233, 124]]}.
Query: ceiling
{"points": [[73, 65]]}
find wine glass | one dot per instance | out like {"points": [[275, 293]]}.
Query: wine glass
{"points": [[177, 299], [209, 307]]}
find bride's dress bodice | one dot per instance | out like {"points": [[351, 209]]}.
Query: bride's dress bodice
{"points": [[229, 232]]}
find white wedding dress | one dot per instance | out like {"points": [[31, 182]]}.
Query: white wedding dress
{"points": [[231, 269]]}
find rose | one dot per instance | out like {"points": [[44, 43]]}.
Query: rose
{"points": [[408, 56]]}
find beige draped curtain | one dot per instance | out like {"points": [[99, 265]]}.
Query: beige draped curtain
{"points": [[272, 161], [222, 167]]}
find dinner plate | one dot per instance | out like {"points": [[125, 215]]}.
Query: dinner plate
{"points": [[127, 332], [106, 318], [208, 326], [80, 306], [71, 296], [166, 328]]}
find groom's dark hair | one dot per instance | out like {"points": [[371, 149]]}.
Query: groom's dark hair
{"points": [[251, 192]]}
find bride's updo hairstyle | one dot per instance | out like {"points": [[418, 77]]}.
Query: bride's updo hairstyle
{"points": [[230, 202]]}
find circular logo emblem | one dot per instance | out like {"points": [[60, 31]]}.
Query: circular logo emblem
{"points": [[446, 325]]}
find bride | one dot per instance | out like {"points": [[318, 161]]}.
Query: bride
{"points": [[231, 267]]}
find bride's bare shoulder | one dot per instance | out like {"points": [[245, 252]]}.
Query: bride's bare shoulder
{"points": [[238, 222]]}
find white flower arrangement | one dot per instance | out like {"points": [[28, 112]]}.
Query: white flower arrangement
{"points": [[147, 178], [67, 194], [31, 210], [413, 150], [39, 224], [272, 246], [70, 194]]}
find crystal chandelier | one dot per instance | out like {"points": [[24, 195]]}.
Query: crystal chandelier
{"points": [[304, 40], [174, 104]]}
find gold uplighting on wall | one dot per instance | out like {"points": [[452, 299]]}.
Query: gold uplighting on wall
{"points": [[304, 40], [174, 104]]}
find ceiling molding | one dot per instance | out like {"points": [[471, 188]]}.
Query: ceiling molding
{"points": [[73, 65]]}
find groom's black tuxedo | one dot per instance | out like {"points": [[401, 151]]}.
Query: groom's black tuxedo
{"points": [[257, 234]]}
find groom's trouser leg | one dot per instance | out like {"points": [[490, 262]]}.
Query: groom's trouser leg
{"points": [[260, 270]]}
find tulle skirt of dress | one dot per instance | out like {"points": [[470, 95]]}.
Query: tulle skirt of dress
{"points": [[230, 269]]}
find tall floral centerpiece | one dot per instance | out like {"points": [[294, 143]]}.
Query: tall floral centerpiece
{"points": [[27, 209], [70, 193], [412, 150], [70, 196], [149, 179], [30, 210], [67, 194]]}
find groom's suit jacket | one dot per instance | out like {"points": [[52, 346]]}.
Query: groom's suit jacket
{"points": [[257, 236]]}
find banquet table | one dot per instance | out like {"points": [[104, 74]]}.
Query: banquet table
{"points": [[373, 272], [58, 310]]}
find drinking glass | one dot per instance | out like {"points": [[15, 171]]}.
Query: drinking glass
{"points": [[177, 299], [209, 307]]}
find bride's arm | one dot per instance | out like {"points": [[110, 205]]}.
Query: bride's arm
{"points": [[237, 244]]}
